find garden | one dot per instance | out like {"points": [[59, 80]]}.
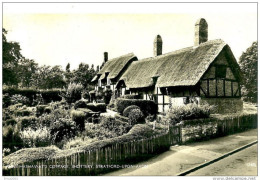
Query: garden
{"points": [[100, 129], [71, 121]]}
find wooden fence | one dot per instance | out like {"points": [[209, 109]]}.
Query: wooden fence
{"points": [[123, 155], [100, 160]]}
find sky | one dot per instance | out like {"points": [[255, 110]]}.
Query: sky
{"points": [[62, 33]]}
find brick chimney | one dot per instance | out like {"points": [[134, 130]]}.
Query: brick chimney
{"points": [[157, 45], [105, 57], [201, 32]]}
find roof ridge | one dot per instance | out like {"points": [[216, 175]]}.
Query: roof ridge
{"points": [[219, 41], [128, 54]]}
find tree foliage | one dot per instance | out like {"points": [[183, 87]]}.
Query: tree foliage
{"points": [[248, 64], [83, 75], [23, 72], [11, 57]]}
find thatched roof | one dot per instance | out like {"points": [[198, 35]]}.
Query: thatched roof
{"points": [[114, 67], [183, 67]]}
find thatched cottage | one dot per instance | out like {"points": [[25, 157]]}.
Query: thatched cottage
{"points": [[206, 72]]}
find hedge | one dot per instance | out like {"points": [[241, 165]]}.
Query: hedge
{"points": [[27, 121], [146, 106], [129, 109], [79, 118], [47, 95], [130, 96], [99, 107], [82, 103]]}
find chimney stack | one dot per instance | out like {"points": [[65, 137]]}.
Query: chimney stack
{"points": [[157, 45], [201, 32], [105, 57]]}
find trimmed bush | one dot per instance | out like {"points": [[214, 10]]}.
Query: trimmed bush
{"points": [[25, 122], [31, 94], [130, 96], [23, 112], [79, 118], [10, 122], [128, 109], [135, 116], [40, 109], [51, 95], [190, 111], [99, 107], [82, 103], [146, 106]]}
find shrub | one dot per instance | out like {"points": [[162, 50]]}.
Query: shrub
{"points": [[190, 111], [82, 103], [79, 118], [99, 107], [142, 131], [121, 118], [107, 95], [149, 118], [11, 138], [115, 125], [73, 92], [36, 138], [146, 106], [55, 115], [62, 128], [47, 110], [135, 116], [25, 122], [18, 98], [128, 109], [23, 112], [6, 100], [51, 95], [40, 109], [10, 122]]}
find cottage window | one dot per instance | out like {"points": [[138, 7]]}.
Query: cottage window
{"points": [[221, 71]]}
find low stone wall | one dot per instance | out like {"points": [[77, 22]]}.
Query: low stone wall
{"points": [[224, 105]]}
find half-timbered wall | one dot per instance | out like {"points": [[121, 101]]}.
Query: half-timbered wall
{"points": [[219, 80]]}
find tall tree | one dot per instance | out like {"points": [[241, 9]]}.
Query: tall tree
{"points": [[48, 77], [11, 57], [26, 69], [248, 63], [83, 75], [68, 74]]}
